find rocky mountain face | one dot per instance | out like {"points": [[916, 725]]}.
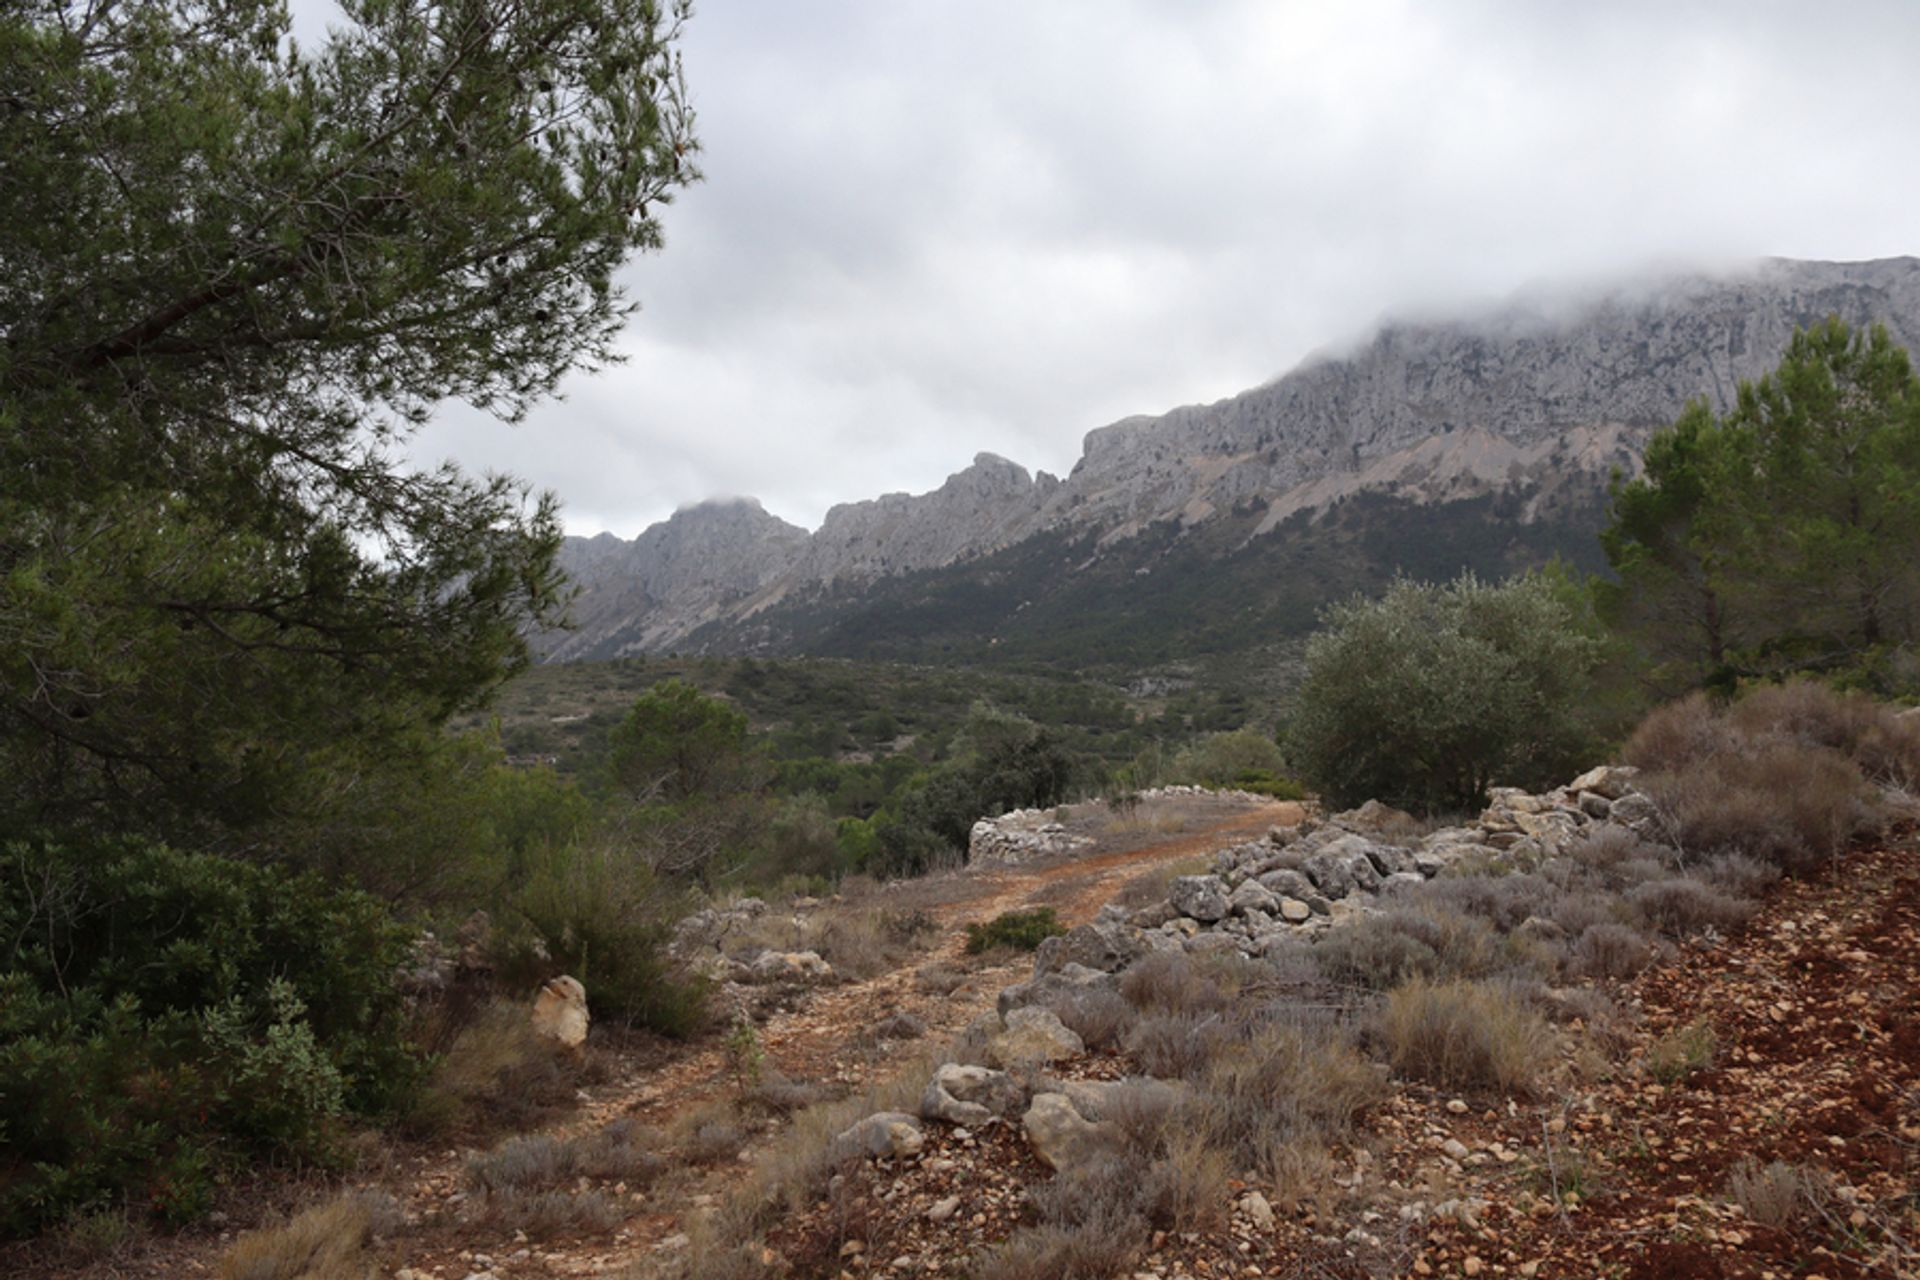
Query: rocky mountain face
{"points": [[680, 574], [1492, 424]]}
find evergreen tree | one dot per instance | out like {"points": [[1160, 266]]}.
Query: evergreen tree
{"points": [[234, 275], [1784, 536]]}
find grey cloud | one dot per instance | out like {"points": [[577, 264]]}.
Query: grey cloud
{"points": [[936, 228]]}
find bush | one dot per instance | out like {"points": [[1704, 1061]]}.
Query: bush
{"points": [[1609, 950], [328, 1242], [1683, 906], [1425, 697], [1781, 777], [1218, 759], [1467, 1035], [164, 1008], [1789, 805], [1018, 930], [606, 919], [1780, 1195]]}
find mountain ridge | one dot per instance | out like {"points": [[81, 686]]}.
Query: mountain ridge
{"points": [[1540, 400]]}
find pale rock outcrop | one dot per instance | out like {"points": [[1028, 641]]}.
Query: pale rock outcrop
{"points": [[970, 1095], [885, 1133], [560, 1011], [1202, 898], [799, 967], [1062, 1138], [1033, 1035]]}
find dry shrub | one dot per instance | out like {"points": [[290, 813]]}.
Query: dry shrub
{"points": [[1780, 1195], [1467, 1035], [332, 1241], [1384, 951], [1260, 1098], [899, 1025], [521, 1164], [1101, 1017], [939, 979], [1682, 906], [1781, 776], [1681, 1052], [1504, 902], [777, 1095], [1790, 805], [1168, 982], [714, 1141], [796, 1166], [496, 1073], [1178, 1046], [1739, 875], [1611, 950], [1871, 734], [1093, 1223], [1616, 857], [1578, 912], [1676, 735], [623, 1151], [543, 1214]]}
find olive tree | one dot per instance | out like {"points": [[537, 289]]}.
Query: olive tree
{"points": [[1428, 695]]}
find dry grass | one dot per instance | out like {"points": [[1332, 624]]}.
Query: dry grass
{"points": [[1465, 1035], [1101, 1017], [1780, 1195], [332, 1241], [496, 1074], [1609, 950], [1680, 1053], [1682, 906], [545, 1214], [1165, 982]]}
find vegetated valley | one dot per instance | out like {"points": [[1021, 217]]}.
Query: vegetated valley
{"points": [[1448, 811]]}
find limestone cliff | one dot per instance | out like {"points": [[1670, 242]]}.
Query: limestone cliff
{"points": [[1540, 396]]}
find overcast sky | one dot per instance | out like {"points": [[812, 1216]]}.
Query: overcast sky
{"points": [[934, 227]]}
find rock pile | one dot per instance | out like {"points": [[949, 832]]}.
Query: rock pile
{"points": [[1305, 879], [1020, 836], [1295, 884]]}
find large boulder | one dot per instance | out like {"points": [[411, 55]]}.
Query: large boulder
{"points": [[560, 1011], [1105, 945], [788, 966], [1033, 1035], [970, 1096], [1062, 1138], [1610, 781], [885, 1133], [1252, 896], [1202, 898], [1066, 981], [1381, 819]]}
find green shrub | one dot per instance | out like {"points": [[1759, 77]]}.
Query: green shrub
{"points": [[604, 917], [163, 1009], [1425, 697], [1222, 759], [1020, 930]]}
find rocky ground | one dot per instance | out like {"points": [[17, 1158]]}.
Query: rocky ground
{"points": [[822, 1033], [1787, 1054], [1812, 1060]]}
